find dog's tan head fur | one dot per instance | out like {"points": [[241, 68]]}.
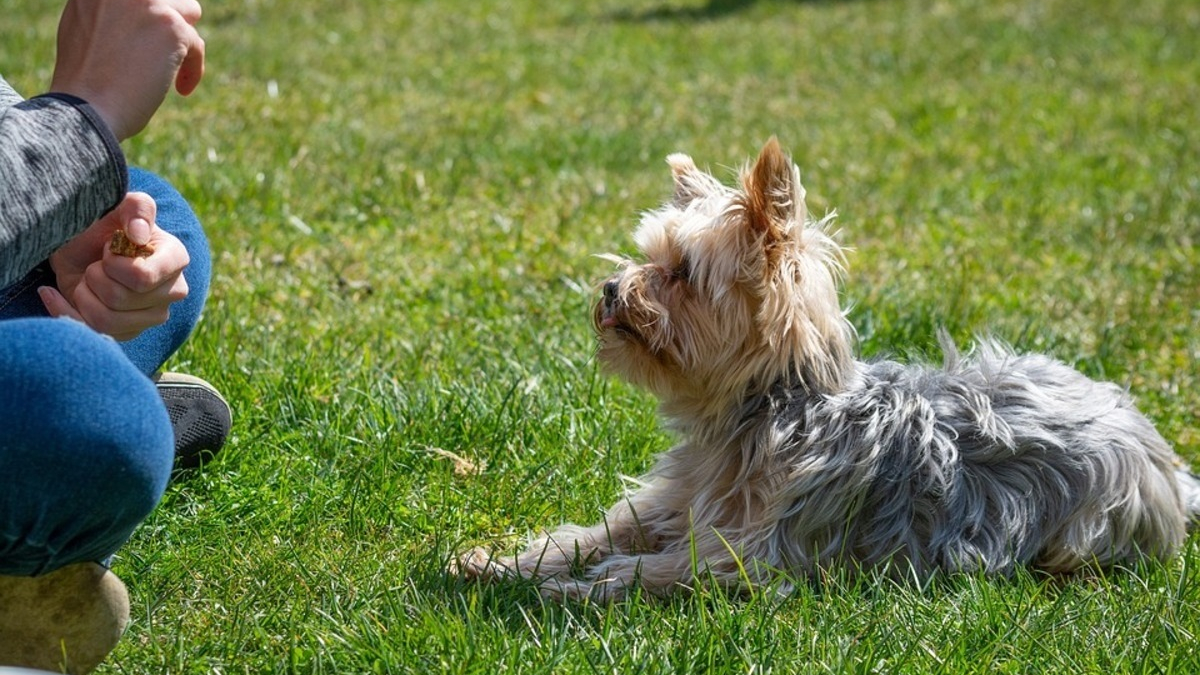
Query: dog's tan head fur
{"points": [[738, 291]]}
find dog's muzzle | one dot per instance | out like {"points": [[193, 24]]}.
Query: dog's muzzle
{"points": [[606, 309], [610, 292]]}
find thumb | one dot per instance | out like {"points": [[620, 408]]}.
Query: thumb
{"points": [[56, 304], [136, 214]]}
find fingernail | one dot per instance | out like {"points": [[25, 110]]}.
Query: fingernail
{"points": [[138, 231], [47, 298]]}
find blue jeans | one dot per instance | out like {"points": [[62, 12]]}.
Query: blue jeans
{"points": [[86, 446]]}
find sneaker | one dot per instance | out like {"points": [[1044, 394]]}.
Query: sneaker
{"points": [[199, 415]]}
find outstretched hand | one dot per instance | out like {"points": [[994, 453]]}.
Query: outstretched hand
{"points": [[122, 56], [113, 294]]}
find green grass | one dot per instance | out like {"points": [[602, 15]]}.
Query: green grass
{"points": [[404, 199]]}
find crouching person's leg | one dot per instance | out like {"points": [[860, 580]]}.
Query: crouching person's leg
{"points": [[86, 450]]}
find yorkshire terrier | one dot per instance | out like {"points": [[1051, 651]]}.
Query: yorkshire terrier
{"points": [[795, 457]]}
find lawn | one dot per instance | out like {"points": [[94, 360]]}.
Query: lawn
{"points": [[404, 200]]}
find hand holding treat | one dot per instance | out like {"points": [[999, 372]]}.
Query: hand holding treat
{"points": [[121, 274]]}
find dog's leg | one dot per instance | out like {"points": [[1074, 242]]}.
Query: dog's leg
{"points": [[627, 527], [1189, 491], [691, 559], [616, 577]]}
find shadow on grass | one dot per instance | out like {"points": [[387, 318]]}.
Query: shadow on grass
{"points": [[712, 10], [517, 604], [511, 599], [514, 607]]}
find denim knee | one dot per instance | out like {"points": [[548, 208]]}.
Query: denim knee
{"points": [[86, 446]]}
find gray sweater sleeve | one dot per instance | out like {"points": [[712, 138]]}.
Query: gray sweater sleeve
{"points": [[60, 169]]}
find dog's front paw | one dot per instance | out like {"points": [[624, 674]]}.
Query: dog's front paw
{"points": [[479, 563], [601, 591]]}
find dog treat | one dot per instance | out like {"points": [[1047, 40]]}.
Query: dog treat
{"points": [[121, 245]]}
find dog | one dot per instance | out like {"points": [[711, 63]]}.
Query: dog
{"points": [[795, 457]]}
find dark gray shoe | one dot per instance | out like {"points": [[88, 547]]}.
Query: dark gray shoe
{"points": [[199, 415]]}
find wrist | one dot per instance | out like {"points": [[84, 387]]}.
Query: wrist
{"points": [[103, 131], [100, 113]]}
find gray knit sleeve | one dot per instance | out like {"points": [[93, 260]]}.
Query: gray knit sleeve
{"points": [[60, 169], [8, 96]]}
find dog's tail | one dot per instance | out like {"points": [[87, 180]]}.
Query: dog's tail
{"points": [[1189, 492]]}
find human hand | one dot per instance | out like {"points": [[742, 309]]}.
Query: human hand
{"points": [[112, 294], [121, 56]]}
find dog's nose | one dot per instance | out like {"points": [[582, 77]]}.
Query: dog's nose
{"points": [[610, 291]]}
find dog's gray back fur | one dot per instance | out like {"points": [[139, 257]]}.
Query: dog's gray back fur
{"points": [[995, 461]]}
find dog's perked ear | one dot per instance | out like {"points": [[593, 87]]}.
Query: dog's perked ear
{"points": [[773, 198], [690, 183]]}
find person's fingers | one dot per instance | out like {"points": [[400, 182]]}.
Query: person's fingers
{"points": [[56, 304], [135, 214], [103, 281], [191, 71], [138, 231], [191, 68], [190, 10], [168, 259], [121, 325]]}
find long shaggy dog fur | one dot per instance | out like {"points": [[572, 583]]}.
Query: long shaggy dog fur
{"points": [[796, 457]]}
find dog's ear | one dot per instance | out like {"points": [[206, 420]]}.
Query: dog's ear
{"points": [[690, 183], [772, 197]]}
